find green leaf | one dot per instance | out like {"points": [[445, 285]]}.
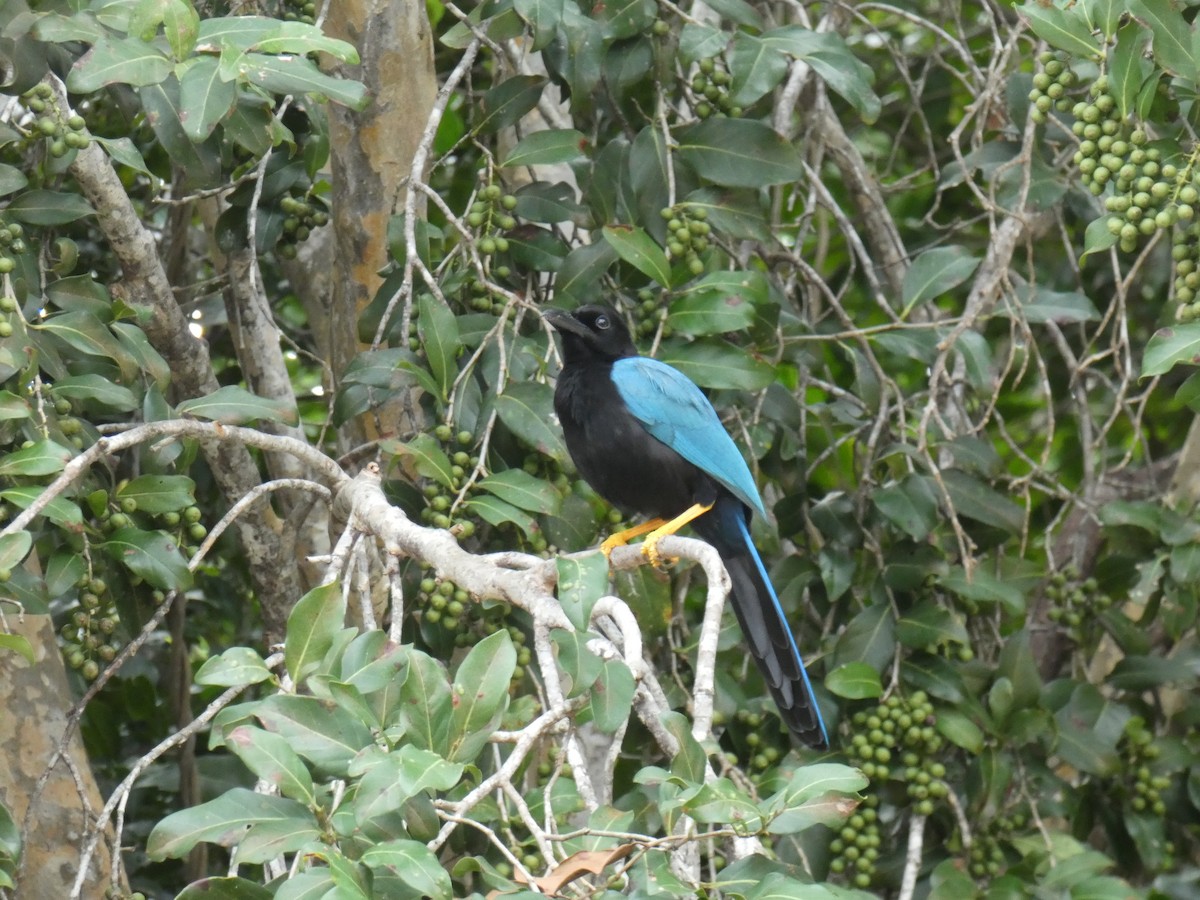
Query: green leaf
{"points": [[581, 271], [518, 487], [495, 511], [1128, 69], [722, 802], [1088, 728], [13, 407], [984, 589], [959, 730], [756, 67], [977, 500], [543, 148], [697, 42], [234, 405], [1173, 36], [716, 364], [1171, 346], [422, 456], [127, 60], [1144, 673], [300, 38], [480, 692], [43, 457], [87, 334], [507, 102], [928, 624], [639, 250], [159, 493], [719, 302], [868, 638], [272, 759], [96, 388], [438, 331], [221, 821], [204, 98], [319, 730], [911, 505], [426, 704], [1040, 305], [854, 681], [579, 664], [826, 52], [542, 17], [1064, 29], [526, 409], [612, 696], [48, 208], [154, 555], [935, 272], [1018, 664], [1104, 15], [815, 794], [739, 153], [232, 888], [300, 75], [582, 580], [236, 666], [13, 548], [313, 623], [17, 643], [413, 864], [12, 179], [60, 510]]}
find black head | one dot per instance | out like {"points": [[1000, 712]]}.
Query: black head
{"points": [[591, 332]]}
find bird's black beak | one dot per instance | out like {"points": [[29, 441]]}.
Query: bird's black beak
{"points": [[564, 321]]}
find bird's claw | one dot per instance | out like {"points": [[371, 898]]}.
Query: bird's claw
{"points": [[656, 559], [611, 543]]}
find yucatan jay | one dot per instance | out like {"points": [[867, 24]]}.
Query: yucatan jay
{"points": [[649, 442]]}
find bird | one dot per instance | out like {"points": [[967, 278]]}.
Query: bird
{"points": [[648, 441]]}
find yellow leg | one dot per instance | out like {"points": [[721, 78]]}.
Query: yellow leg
{"points": [[650, 545], [621, 538]]}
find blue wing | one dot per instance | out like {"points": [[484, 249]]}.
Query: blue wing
{"points": [[677, 413]]}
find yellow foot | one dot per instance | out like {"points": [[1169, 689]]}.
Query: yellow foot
{"points": [[621, 538], [650, 551], [650, 545]]}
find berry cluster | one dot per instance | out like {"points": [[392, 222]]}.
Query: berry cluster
{"points": [[1147, 189], [299, 11], [649, 313], [62, 133], [1185, 251], [444, 605], [763, 745], [12, 245], [855, 850], [112, 513], [8, 306], [302, 214], [710, 89], [1050, 86], [439, 498], [687, 234], [89, 635], [897, 725], [490, 215], [985, 858], [1140, 752], [1075, 601]]}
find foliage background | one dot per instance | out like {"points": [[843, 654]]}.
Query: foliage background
{"points": [[271, 251]]}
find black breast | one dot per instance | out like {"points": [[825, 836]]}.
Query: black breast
{"points": [[614, 453]]}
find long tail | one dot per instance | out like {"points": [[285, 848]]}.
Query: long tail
{"points": [[762, 620]]}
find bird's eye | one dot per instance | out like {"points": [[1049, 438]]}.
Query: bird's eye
{"points": [[602, 322]]}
